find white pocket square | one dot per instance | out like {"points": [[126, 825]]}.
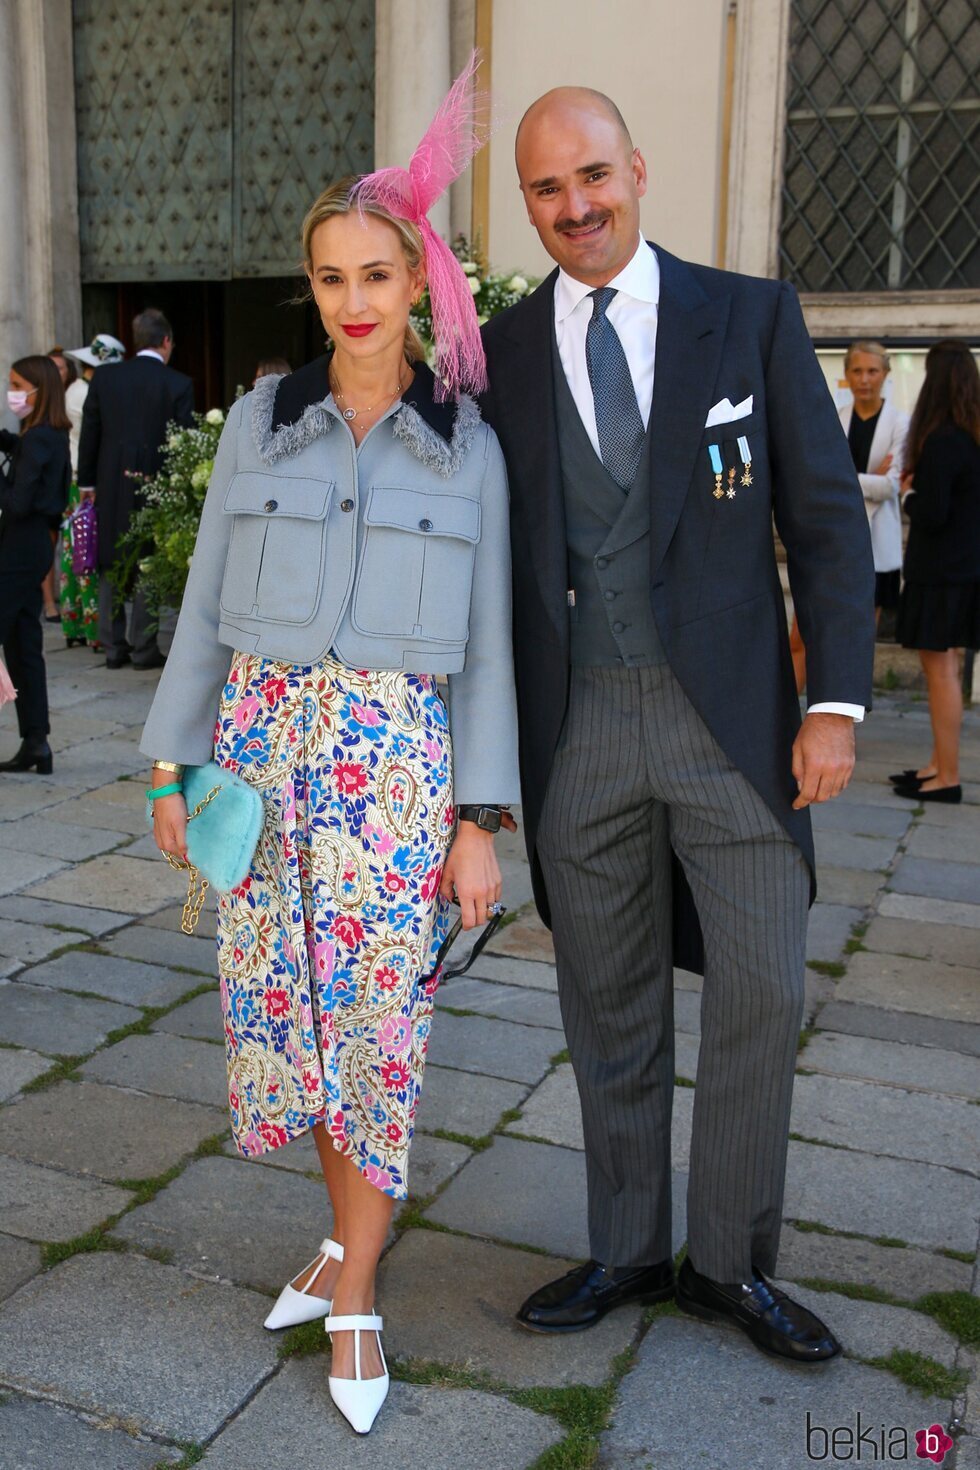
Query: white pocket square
{"points": [[725, 413]]}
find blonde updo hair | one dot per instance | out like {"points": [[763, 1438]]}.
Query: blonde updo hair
{"points": [[873, 349], [337, 200]]}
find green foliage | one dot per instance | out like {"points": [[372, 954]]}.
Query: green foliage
{"points": [[156, 551], [922, 1373], [957, 1311]]}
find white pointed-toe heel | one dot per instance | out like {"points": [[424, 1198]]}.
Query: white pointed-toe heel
{"points": [[359, 1399], [292, 1306]]}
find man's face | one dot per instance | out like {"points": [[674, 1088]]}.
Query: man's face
{"points": [[582, 187]]}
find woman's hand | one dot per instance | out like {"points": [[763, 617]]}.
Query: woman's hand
{"points": [[471, 872], [906, 482], [885, 465], [169, 817]]}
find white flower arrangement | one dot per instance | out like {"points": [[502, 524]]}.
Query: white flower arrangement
{"points": [[214, 416], [492, 291]]}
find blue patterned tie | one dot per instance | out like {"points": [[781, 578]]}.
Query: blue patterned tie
{"points": [[617, 415]]}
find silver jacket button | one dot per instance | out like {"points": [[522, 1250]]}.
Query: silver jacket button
{"points": [[347, 505], [271, 505], [425, 525]]}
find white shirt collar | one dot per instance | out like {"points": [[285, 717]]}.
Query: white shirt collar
{"points": [[639, 278], [149, 352]]}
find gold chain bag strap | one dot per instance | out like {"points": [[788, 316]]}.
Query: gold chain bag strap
{"points": [[197, 886]]}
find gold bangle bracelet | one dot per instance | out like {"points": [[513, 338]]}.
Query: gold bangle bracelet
{"points": [[168, 766]]}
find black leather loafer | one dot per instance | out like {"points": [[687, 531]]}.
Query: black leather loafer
{"points": [[772, 1320], [951, 794], [908, 777], [583, 1297], [117, 660]]}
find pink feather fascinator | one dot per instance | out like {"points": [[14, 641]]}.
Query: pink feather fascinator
{"points": [[451, 140]]}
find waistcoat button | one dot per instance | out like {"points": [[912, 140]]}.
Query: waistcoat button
{"points": [[425, 525], [602, 562], [272, 505], [347, 505], [619, 627], [609, 596]]}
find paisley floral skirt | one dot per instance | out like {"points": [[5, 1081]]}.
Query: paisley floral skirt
{"points": [[324, 948]]}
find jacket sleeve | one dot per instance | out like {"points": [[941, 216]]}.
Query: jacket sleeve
{"points": [[928, 502], [182, 717], [88, 439], [820, 516], [25, 491], [482, 700]]}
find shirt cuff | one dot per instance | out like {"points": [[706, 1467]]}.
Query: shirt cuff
{"points": [[856, 711]]}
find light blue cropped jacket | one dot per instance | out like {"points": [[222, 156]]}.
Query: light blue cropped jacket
{"points": [[391, 555]]}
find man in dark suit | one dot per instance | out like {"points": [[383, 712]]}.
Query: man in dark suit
{"points": [[654, 416], [124, 428]]}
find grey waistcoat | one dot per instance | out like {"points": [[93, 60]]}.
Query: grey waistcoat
{"points": [[608, 547]]}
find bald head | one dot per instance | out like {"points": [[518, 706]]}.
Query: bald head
{"points": [[562, 104], [582, 181]]}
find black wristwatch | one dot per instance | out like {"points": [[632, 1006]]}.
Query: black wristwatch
{"points": [[486, 817]]}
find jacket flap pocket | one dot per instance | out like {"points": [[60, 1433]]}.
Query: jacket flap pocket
{"points": [[254, 493], [423, 512]]}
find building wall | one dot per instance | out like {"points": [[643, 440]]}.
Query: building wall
{"points": [[662, 63]]}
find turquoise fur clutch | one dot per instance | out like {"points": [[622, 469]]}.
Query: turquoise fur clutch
{"points": [[224, 824]]}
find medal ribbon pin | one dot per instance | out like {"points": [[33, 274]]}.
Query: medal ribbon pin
{"points": [[746, 453], [717, 469]]}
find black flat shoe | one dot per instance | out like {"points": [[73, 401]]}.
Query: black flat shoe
{"points": [[155, 661], [770, 1319], [117, 661], [584, 1296], [909, 777], [953, 795], [31, 754]]}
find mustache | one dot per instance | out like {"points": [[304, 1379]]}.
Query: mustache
{"points": [[596, 217]]}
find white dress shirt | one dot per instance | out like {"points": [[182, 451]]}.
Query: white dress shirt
{"points": [[633, 313], [150, 352]]}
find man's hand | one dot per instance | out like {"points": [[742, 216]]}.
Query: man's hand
{"points": [[823, 758]]}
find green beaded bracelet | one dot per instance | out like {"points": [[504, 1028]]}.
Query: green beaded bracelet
{"points": [[171, 790]]}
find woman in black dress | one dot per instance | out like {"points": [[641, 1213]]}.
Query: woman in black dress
{"points": [[939, 610], [33, 491]]}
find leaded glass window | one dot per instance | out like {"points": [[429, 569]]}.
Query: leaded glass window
{"points": [[881, 180]]}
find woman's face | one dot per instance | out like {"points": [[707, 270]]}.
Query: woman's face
{"points": [[866, 374], [362, 285], [21, 385]]}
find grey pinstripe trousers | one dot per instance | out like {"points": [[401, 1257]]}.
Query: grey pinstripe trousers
{"points": [[637, 772]]}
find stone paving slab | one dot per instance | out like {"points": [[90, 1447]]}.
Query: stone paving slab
{"points": [[863, 819], [17, 1068], [40, 1436], [115, 979], [874, 1330], [493, 1048], [51, 837], [848, 885], [687, 1012], [829, 929], [939, 844], [845, 850], [170, 1066], [896, 1269], [923, 1067], [97, 763], [40, 1204], [144, 847], [955, 881], [161, 947], [105, 1131], [462, 1102], [505, 1002], [881, 1197], [170, 917], [902, 1027], [532, 974], [108, 816], [452, 1299], [553, 1114], [124, 1337], [50, 1021], [293, 1423], [956, 819], [432, 1162], [33, 942], [19, 1261], [17, 868], [526, 939], [758, 1406], [949, 992], [222, 1218], [25, 795], [930, 910], [132, 886], [199, 1018], [944, 943], [893, 1122], [66, 916]]}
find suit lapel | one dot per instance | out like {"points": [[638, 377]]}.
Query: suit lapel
{"points": [[690, 337], [525, 392]]}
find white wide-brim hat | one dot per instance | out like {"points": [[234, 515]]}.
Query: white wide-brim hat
{"points": [[104, 350]]}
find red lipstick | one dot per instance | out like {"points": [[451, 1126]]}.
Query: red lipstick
{"points": [[359, 329]]}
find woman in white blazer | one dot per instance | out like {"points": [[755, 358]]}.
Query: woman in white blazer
{"points": [[876, 432]]}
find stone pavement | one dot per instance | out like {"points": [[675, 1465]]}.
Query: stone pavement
{"points": [[138, 1254]]}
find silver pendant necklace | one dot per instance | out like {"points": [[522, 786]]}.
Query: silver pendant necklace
{"points": [[350, 413]]}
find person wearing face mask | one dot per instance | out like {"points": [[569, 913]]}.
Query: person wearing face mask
{"points": [[33, 492]]}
